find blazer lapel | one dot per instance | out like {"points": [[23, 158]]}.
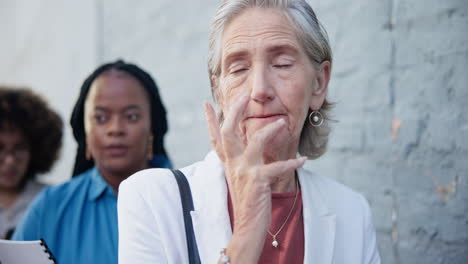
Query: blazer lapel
{"points": [[210, 219], [319, 222]]}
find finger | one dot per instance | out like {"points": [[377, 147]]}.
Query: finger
{"points": [[279, 169], [214, 130], [234, 113], [230, 130], [261, 138]]}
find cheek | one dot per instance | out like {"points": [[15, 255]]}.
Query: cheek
{"points": [[296, 99], [94, 139], [232, 88], [24, 164], [140, 133]]}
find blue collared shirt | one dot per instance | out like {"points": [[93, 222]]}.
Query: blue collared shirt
{"points": [[77, 219]]}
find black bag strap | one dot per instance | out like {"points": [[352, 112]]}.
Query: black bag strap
{"points": [[187, 206]]}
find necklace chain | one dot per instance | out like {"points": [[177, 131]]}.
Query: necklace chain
{"points": [[275, 242]]}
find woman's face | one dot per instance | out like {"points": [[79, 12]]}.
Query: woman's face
{"points": [[14, 158], [263, 59], [117, 123]]}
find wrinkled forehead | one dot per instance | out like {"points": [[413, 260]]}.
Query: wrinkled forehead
{"points": [[257, 24]]}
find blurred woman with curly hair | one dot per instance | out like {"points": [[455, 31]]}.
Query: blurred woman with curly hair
{"points": [[30, 140]]}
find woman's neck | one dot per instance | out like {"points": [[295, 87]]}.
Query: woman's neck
{"points": [[114, 178], [8, 196], [287, 182]]}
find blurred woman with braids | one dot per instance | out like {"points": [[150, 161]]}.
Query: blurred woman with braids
{"points": [[119, 123], [30, 141]]}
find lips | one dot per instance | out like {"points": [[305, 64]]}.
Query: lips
{"points": [[117, 150], [271, 117], [258, 121]]}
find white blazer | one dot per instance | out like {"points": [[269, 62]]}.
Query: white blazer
{"points": [[337, 221]]}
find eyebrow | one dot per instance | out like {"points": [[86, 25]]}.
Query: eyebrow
{"points": [[235, 55], [240, 54], [127, 108], [132, 107], [283, 48]]}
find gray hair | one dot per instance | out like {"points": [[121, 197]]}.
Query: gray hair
{"points": [[311, 35]]}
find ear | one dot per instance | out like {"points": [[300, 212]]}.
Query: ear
{"points": [[321, 85]]}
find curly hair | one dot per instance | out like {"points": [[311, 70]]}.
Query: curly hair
{"points": [[22, 109]]}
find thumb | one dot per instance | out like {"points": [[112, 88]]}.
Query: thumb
{"points": [[277, 169]]}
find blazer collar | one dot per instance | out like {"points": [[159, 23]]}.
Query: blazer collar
{"points": [[212, 225], [211, 222], [319, 221]]}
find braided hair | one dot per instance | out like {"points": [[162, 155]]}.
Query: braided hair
{"points": [[158, 119]]}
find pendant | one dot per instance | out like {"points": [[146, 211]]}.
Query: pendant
{"points": [[275, 243]]}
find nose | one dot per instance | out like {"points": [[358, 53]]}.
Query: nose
{"points": [[116, 127], [262, 87]]}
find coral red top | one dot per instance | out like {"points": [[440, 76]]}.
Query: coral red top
{"points": [[291, 238]]}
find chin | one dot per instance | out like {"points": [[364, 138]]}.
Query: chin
{"points": [[118, 166], [280, 147]]}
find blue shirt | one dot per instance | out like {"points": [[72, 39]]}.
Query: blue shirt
{"points": [[77, 219]]}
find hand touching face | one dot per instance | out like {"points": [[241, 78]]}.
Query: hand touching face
{"points": [[263, 60]]}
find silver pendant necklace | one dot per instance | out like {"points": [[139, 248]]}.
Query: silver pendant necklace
{"points": [[275, 242]]}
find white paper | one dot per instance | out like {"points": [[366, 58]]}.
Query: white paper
{"points": [[23, 252]]}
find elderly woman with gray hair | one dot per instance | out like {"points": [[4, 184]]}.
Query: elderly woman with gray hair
{"points": [[250, 201]]}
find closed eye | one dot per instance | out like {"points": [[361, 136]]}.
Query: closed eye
{"points": [[282, 66], [238, 70]]}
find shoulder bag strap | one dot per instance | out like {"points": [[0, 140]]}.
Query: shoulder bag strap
{"points": [[187, 206]]}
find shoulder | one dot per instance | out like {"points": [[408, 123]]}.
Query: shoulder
{"points": [[154, 178], [35, 186], [148, 178], [31, 189], [154, 182], [71, 186], [63, 193], [338, 197]]}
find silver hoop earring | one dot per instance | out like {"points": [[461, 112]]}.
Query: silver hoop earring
{"points": [[316, 118]]}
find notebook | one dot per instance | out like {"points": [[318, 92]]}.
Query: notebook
{"points": [[25, 252]]}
